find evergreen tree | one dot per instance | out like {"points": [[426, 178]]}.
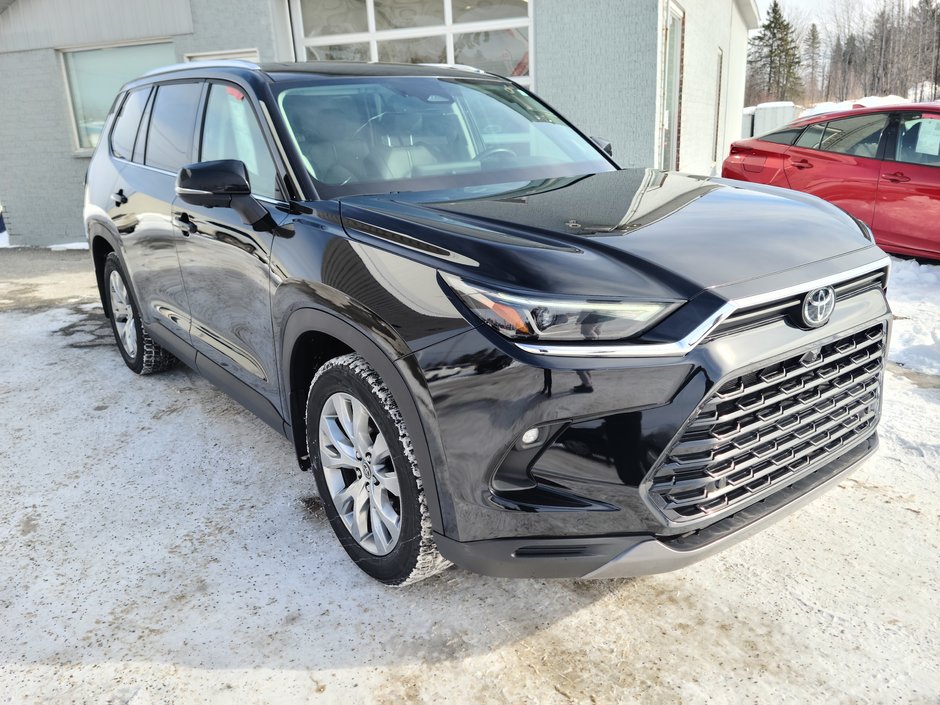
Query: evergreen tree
{"points": [[775, 58], [812, 60]]}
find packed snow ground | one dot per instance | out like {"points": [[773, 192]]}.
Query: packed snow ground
{"points": [[158, 545]]}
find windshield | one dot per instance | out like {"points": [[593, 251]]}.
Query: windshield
{"points": [[378, 135]]}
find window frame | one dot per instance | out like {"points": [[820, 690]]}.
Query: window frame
{"points": [[200, 127], [77, 149], [448, 29]]}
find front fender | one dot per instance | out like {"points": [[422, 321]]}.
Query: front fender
{"points": [[390, 357]]}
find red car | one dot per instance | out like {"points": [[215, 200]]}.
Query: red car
{"points": [[881, 164]]}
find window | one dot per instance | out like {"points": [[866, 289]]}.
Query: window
{"points": [[857, 136], [169, 139], [127, 122], [487, 34], [96, 75], [414, 133], [721, 61], [231, 131], [919, 140], [784, 136], [811, 136]]}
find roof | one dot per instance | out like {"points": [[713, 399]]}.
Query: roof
{"points": [[906, 107], [292, 70]]}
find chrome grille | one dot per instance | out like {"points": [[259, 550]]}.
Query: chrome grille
{"points": [[789, 308], [770, 426]]}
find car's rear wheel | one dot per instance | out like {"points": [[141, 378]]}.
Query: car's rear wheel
{"points": [[367, 474], [138, 349]]}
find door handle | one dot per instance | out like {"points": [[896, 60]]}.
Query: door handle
{"points": [[183, 222], [803, 164], [896, 178], [119, 198]]}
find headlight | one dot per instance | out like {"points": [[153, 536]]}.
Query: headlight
{"points": [[525, 317]]}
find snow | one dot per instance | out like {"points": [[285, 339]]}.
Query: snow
{"points": [[159, 545], [871, 101], [83, 245], [914, 294]]}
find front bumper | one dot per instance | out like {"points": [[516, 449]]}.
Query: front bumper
{"points": [[632, 556], [579, 504]]}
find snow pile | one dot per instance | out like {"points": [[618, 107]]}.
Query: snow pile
{"points": [[914, 293], [871, 101]]}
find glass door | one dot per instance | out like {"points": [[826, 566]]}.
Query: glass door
{"points": [[672, 90]]}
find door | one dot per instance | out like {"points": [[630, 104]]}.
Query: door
{"points": [[907, 215], [838, 161], [225, 263], [672, 90], [143, 196]]}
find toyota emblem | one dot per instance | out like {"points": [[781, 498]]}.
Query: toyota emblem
{"points": [[818, 305]]}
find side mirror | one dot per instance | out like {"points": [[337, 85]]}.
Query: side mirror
{"points": [[220, 184], [605, 145]]}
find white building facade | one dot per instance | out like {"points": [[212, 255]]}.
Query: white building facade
{"points": [[662, 80]]}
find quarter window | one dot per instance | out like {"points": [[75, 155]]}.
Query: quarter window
{"points": [[231, 131], [919, 140], [858, 136], [784, 136], [170, 137], [96, 75], [126, 124]]}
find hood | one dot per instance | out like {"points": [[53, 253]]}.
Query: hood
{"points": [[624, 233]]}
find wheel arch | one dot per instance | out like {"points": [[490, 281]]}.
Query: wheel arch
{"points": [[101, 244], [311, 337]]}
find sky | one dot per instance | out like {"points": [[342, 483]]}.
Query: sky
{"points": [[814, 9]]}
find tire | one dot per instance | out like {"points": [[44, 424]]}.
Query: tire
{"points": [[141, 354], [350, 412]]}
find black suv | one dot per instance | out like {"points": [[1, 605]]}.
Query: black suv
{"points": [[490, 344]]}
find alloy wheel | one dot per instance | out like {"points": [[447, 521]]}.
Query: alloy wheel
{"points": [[122, 313], [362, 481]]}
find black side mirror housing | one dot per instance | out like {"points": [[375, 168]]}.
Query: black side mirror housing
{"points": [[605, 145], [223, 183]]}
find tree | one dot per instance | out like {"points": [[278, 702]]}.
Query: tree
{"points": [[774, 59], [812, 60]]}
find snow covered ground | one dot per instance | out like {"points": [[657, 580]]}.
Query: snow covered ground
{"points": [[914, 293], [158, 545]]}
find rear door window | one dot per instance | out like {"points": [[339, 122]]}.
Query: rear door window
{"points": [[811, 136], [127, 122], [172, 120], [919, 140], [858, 136]]}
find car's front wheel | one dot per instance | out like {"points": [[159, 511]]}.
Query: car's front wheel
{"points": [[367, 474], [138, 349]]}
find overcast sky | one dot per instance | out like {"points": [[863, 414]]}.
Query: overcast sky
{"points": [[817, 10]]}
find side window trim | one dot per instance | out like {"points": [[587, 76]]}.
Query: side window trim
{"points": [[141, 136], [201, 127]]}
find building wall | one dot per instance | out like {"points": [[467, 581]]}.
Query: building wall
{"points": [[41, 171], [710, 25], [595, 61]]}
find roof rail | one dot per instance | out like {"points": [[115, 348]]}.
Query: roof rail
{"points": [[208, 64], [460, 67]]}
